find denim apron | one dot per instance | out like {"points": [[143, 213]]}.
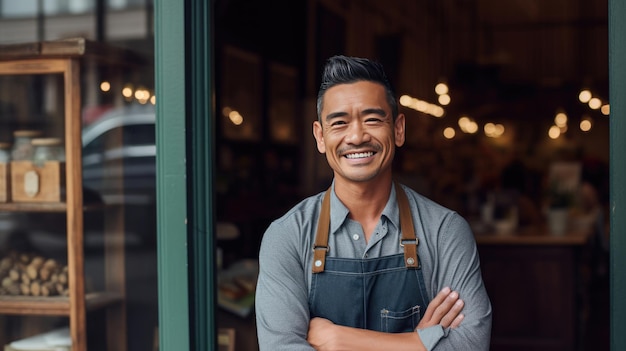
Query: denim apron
{"points": [[385, 294]]}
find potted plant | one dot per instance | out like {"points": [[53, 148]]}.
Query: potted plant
{"points": [[560, 199]]}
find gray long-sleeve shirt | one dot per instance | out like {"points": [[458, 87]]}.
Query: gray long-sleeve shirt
{"points": [[447, 252]]}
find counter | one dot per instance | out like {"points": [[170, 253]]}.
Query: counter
{"points": [[537, 287], [538, 235]]}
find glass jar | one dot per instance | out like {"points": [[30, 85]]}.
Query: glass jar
{"points": [[5, 152], [47, 149], [22, 147]]}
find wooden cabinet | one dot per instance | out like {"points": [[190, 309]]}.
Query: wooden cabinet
{"points": [[536, 287], [68, 59]]}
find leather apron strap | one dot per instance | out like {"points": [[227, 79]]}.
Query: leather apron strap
{"points": [[320, 248], [408, 241]]}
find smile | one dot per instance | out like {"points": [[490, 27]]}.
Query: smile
{"points": [[360, 155]]}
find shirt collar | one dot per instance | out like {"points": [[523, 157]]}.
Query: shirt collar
{"points": [[339, 212]]}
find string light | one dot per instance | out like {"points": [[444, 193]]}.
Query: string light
{"points": [[584, 96]]}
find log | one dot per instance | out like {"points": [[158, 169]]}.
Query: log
{"points": [[25, 278], [37, 262], [6, 263], [62, 278], [35, 288], [32, 275], [7, 281], [14, 274], [25, 289], [32, 271], [51, 263], [33, 267], [48, 289], [45, 273]]}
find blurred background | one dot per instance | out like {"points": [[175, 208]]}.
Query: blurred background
{"points": [[506, 104]]}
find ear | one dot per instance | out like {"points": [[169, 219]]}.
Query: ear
{"points": [[399, 130], [319, 137]]}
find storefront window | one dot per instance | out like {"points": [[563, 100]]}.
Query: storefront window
{"points": [[116, 117], [30, 8]]}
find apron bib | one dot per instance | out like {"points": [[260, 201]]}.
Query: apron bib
{"points": [[385, 294]]}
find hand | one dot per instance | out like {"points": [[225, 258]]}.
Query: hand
{"points": [[444, 309], [320, 334]]}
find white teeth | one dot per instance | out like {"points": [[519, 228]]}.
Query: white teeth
{"points": [[360, 155]]}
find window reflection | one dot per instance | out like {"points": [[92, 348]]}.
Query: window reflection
{"points": [[31, 8]]}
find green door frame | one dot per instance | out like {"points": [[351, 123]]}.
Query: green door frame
{"points": [[201, 128], [172, 227], [617, 91], [183, 64], [185, 149]]}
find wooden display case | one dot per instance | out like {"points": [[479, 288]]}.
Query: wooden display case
{"points": [[66, 58]]}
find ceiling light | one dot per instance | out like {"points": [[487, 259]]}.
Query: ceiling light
{"points": [[584, 96], [585, 125], [444, 99], [595, 103], [554, 132], [441, 88], [449, 133], [605, 109], [560, 119]]}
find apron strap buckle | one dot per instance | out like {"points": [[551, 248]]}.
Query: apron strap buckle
{"points": [[408, 240], [319, 257], [320, 247], [410, 252]]}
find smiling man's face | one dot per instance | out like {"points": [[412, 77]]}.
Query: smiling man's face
{"points": [[357, 131]]}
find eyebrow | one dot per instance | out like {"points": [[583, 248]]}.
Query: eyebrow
{"points": [[375, 111], [369, 111], [330, 116]]}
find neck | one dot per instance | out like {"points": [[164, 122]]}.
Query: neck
{"points": [[365, 200]]}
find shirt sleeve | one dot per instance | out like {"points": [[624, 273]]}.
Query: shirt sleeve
{"points": [[282, 312], [430, 336], [458, 266]]}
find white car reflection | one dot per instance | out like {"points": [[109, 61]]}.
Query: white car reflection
{"points": [[121, 146]]}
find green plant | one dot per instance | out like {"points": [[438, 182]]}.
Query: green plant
{"points": [[560, 196]]}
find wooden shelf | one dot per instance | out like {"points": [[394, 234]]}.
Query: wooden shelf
{"points": [[54, 305], [65, 57], [69, 48]]}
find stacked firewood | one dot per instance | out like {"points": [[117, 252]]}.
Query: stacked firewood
{"points": [[32, 275]]}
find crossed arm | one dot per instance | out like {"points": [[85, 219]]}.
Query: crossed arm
{"points": [[444, 310], [284, 322]]}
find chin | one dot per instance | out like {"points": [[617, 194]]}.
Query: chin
{"points": [[360, 178]]}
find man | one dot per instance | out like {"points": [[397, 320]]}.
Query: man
{"points": [[369, 264]]}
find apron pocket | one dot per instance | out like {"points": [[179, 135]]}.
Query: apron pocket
{"points": [[400, 322]]}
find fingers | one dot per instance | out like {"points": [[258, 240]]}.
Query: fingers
{"points": [[445, 310], [452, 314], [457, 321], [436, 301], [445, 306]]}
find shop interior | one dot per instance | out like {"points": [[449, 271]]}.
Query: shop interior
{"points": [[507, 118]]}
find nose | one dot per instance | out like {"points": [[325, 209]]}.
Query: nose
{"points": [[357, 134]]}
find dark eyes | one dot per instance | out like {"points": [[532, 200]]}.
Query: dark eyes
{"points": [[369, 120]]}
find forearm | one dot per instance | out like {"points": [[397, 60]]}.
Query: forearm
{"points": [[362, 339], [325, 336]]}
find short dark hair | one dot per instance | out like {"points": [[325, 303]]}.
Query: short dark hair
{"points": [[345, 70]]}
